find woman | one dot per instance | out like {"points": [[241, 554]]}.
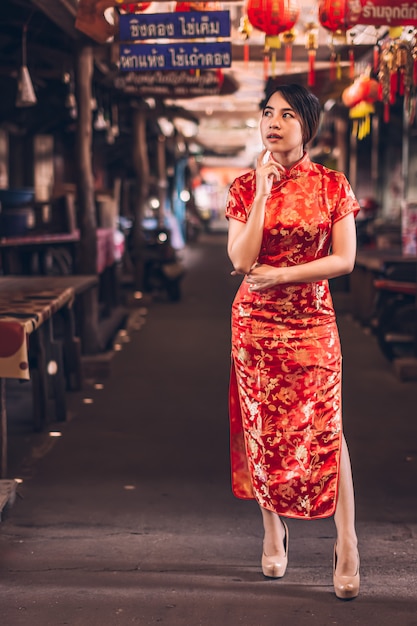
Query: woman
{"points": [[287, 447]]}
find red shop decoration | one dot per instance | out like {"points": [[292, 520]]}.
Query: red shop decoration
{"points": [[272, 17], [334, 16], [359, 98], [135, 7], [397, 69], [181, 7]]}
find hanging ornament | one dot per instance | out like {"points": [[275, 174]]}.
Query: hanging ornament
{"points": [[334, 17], [386, 67], [272, 17], [397, 70], [414, 55], [245, 31]]}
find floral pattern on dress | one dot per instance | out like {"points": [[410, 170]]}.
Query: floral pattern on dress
{"points": [[285, 386]]}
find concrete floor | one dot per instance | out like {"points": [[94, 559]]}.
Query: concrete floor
{"points": [[128, 518]]}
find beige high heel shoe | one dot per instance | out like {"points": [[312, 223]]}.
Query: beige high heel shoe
{"points": [[275, 566], [345, 587]]}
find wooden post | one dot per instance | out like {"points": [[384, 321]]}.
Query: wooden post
{"points": [[162, 179], [3, 429], [142, 170], [87, 253], [87, 257], [353, 160]]}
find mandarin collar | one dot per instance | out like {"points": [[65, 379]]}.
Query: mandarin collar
{"points": [[300, 167]]}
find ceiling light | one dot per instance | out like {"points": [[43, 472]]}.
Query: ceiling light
{"points": [[26, 96], [100, 122], [166, 126]]}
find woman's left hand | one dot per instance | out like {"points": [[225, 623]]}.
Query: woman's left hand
{"points": [[263, 276]]}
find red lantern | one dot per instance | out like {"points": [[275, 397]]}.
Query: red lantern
{"points": [[364, 89], [272, 17], [334, 16]]}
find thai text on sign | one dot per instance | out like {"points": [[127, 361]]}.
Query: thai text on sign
{"points": [[175, 56], [382, 12], [192, 25]]}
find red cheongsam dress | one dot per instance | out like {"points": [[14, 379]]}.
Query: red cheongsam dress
{"points": [[285, 387]]}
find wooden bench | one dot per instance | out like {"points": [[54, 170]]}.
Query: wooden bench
{"points": [[39, 340]]}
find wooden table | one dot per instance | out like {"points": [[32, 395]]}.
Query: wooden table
{"points": [[38, 341], [370, 265], [56, 254]]}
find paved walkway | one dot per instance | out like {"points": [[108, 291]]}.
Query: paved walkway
{"points": [[128, 517]]}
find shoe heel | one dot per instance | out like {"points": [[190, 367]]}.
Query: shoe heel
{"points": [[345, 587], [275, 566]]}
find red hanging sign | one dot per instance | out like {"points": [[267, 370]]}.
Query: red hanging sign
{"points": [[382, 12]]}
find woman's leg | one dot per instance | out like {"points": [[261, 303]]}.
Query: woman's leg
{"points": [[347, 542], [274, 533]]}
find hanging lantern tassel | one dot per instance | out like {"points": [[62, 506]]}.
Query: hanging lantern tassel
{"points": [[338, 67], [246, 54], [245, 30], [220, 77], [288, 38], [333, 65], [393, 85], [361, 116], [311, 79], [266, 65], [311, 45], [375, 56], [273, 63], [351, 64], [273, 43]]}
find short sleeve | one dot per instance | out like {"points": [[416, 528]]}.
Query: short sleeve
{"points": [[240, 198], [345, 201]]}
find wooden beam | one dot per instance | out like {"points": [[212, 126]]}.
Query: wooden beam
{"points": [[61, 12]]}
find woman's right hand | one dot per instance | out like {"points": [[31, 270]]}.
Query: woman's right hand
{"points": [[266, 174]]}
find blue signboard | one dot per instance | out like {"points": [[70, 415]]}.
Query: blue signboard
{"points": [[191, 25], [175, 56]]}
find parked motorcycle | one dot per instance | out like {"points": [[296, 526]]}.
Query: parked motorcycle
{"points": [[163, 271]]}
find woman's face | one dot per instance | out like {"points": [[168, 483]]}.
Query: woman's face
{"points": [[281, 130]]}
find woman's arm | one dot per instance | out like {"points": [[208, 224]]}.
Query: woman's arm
{"points": [[340, 261], [244, 239]]}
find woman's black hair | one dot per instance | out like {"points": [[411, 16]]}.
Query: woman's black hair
{"points": [[304, 103]]}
